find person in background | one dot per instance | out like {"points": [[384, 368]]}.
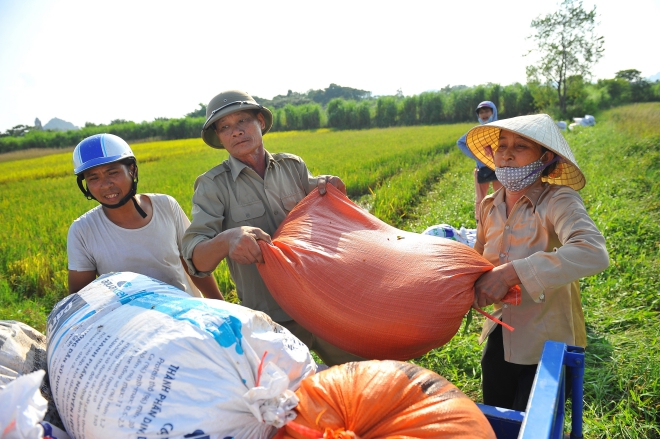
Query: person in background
{"points": [[244, 199], [483, 175], [128, 231], [538, 234]]}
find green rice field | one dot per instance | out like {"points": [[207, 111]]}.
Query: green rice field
{"points": [[410, 177]]}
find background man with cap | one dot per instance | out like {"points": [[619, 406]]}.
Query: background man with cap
{"points": [[244, 199], [483, 175], [538, 234]]}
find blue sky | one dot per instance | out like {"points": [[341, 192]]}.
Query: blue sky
{"points": [[89, 61]]}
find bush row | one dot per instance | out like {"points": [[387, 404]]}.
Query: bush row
{"points": [[449, 105]]}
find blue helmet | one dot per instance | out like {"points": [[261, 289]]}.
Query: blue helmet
{"points": [[100, 149]]}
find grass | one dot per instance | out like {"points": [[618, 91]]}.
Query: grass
{"points": [[411, 177], [39, 198], [31, 153], [622, 304]]}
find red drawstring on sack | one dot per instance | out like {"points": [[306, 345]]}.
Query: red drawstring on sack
{"points": [[484, 313], [261, 368], [513, 296]]}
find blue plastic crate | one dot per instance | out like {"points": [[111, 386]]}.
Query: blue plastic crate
{"points": [[545, 412]]}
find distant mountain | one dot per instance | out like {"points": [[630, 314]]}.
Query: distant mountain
{"points": [[654, 78], [59, 125]]}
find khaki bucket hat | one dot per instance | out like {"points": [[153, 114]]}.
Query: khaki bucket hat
{"points": [[229, 102], [539, 128]]}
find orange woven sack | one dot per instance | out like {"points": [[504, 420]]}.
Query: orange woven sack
{"points": [[365, 286], [383, 399]]}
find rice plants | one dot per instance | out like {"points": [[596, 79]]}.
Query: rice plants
{"points": [[39, 198], [411, 177]]}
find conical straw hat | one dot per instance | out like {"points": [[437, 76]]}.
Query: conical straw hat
{"points": [[539, 128]]}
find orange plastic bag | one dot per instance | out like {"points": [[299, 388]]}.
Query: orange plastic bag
{"points": [[383, 399], [365, 286]]}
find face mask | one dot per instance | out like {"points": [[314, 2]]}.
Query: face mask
{"points": [[517, 179], [489, 120]]}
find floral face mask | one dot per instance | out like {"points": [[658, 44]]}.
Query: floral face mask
{"points": [[517, 179]]}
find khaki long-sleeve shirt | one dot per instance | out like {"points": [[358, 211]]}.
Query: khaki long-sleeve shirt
{"points": [[234, 195], [552, 243]]}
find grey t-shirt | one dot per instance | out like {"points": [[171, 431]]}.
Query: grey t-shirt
{"points": [[95, 243]]}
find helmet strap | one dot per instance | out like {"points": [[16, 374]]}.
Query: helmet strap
{"points": [[142, 213], [83, 188], [129, 196]]}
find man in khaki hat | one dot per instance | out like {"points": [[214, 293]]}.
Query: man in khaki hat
{"points": [[244, 199]]}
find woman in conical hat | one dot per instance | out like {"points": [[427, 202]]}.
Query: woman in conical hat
{"points": [[538, 234]]}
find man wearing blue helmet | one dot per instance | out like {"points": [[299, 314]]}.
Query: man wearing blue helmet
{"points": [[143, 236], [483, 175]]}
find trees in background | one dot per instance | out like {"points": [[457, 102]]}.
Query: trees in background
{"points": [[297, 117], [568, 46], [337, 114], [321, 96], [639, 87], [17, 131], [386, 111], [200, 112], [335, 91], [430, 107], [182, 128], [447, 105], [348, 115], [516, 99]]}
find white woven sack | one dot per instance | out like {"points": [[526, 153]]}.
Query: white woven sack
{"points": [[131, 357]]}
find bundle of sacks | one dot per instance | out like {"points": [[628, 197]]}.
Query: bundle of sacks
{"points": [[586, 121], [132, 357]]}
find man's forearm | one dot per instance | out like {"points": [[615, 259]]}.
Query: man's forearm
{"points": [[208, 254], [208, 286]]}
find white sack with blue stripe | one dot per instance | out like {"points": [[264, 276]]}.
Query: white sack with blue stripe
{"points": [[132, 357]]}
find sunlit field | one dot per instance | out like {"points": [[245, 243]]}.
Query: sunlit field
{"points": [[410, 177]]}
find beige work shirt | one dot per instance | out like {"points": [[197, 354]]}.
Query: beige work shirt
{"points": [[233, 195], [553, 243]]}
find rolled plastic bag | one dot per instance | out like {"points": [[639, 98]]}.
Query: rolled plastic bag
{"points": [[132, 357], [22, 410], [23, 351]]}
